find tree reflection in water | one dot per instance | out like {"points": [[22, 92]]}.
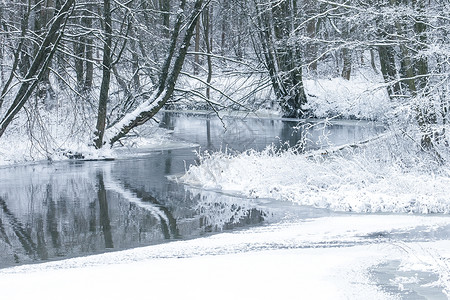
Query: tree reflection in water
{"points": [[105, 223], [19, 231], [89, 210], [218, 211]]}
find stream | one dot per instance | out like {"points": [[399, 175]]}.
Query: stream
{"points": [[74, 208], [52, 211]]}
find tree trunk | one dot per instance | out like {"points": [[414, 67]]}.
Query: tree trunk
{"points": [[388, 69], [39, 65], [311, 47], [225, 7], [42, 13], [169, 76], [197, 48], [106, 77], [347, 63], [135, 62], [283, 59], [346, 53], [89, 67], [79, 50], [426, 116], [164, 5], [207, 27], [17, 54]]}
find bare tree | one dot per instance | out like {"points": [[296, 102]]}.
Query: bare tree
{"points": [[168, 75], [40, 63], [283, 59]]}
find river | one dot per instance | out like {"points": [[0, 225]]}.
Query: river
{"points": [[55, 211], [75, 208]]}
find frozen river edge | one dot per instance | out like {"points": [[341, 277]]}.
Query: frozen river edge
{"points": [[323, 258], [343, 256]]}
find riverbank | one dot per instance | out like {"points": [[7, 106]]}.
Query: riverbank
{"points": [[336, 257], [385, 175], [56, 133]]}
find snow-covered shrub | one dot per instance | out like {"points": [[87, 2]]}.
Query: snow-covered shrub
{"points": [[385, 176]]}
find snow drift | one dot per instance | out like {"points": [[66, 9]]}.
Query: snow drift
{"points": [[364, 181]]}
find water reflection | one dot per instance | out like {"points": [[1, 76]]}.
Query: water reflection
{"points": [[78, 208], [105, 223], [219, 211], [81, 209], [19, 230], [251, 133]]}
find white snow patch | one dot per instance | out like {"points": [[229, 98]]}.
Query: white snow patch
{"points": [[242, 264], [364, 96], [360, 97], [358, 182]]}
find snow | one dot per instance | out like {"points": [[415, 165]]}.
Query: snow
{"points": [[54, 132], [145, 106], [16, 147], [357, 98], [287, 260], [316, 258], [364, 96], [364, 181], [269, 275]]}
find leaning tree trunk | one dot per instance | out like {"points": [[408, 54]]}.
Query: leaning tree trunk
{"points": [[168, 77], [282, 59], [39, 65]]}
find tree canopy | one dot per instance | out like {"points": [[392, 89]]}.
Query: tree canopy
{"points": [[117, 63]]}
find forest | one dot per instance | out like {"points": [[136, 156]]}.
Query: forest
{"points": [[90, 72], [225, 149]]}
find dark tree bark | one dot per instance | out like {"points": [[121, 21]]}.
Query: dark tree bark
{"points": [[17, 54], [388, 69], [347, 63], [79, 50], [168, 77], [346, 52], [197, 48], [43, 13], [40, 63], [426, 116], [106, 77], [283, 59], [387, 53], [311, 47], [164, 5], [207, 30], [89, 51], [420, 30], [225, 8]]}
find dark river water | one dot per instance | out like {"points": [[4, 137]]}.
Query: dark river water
{"points": [[77, 208]]}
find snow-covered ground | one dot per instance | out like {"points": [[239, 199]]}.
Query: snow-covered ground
{"points": [[324, 258], [343, 256], [364, 96], [44, 134], [18, 148], [367, 180]]}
